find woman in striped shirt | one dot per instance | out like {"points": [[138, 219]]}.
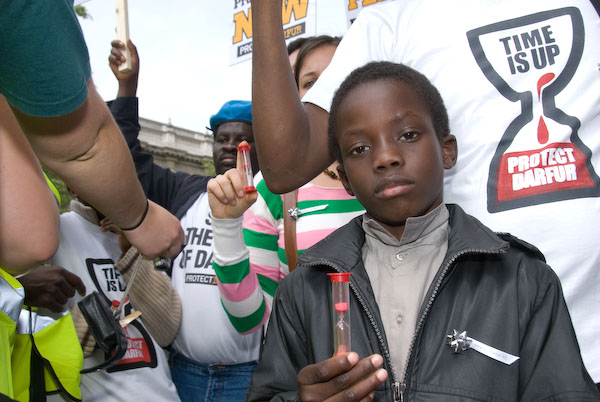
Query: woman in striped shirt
{"points": [[249, 268]]}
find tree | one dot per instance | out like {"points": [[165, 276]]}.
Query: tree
{"points": [[82, 12]]}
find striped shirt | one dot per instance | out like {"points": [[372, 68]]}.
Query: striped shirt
{"points": [[257, 259]]}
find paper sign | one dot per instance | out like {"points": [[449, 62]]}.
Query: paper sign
{"points": [[298, 19]]}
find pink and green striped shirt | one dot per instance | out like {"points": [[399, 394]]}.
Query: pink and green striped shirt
{"points": [[249, 266]]}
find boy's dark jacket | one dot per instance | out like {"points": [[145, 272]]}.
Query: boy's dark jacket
{"points": [[495, 287]]}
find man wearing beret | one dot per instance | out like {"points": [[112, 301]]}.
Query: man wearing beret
{"points": [[210, 360]]}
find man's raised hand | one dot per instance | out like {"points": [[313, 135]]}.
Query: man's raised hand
{"points": [[226, 196]]}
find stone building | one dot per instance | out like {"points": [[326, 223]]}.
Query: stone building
{"points": [[177, 148]]}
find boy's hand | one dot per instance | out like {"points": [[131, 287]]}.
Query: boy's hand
{"points": [[128, 80], [341, 378], [226, 196]]}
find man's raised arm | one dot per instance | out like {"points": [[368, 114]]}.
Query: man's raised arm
{"points": [[291, 138], [48, 87], [86, 149]]}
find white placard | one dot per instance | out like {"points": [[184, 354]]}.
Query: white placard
{"points": [[123, 31], [298, 18]]}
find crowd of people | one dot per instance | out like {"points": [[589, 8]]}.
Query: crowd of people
{"points": [[441, 155]]}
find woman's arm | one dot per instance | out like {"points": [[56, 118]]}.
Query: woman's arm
{"points": [[291, 138]]}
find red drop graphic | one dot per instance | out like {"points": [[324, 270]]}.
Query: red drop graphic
{"points": [[542, 128], [546, 78], [542, 133]]}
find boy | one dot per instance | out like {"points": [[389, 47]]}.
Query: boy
{"points": [[452, 310], [496, 118]]}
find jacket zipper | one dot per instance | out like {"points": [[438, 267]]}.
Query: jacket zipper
{"points": [[403, 385], [397, 387], [398, 391]]}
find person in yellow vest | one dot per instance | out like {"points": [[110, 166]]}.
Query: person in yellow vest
{"points": [[10, 306], [40, 349], [45, 356]]}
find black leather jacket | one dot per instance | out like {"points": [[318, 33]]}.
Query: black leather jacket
{"points": [[495, 287]]}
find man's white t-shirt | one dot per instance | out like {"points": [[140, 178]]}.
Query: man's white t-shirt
{"points": [[206, 334], [143, 373], [522, 88]]}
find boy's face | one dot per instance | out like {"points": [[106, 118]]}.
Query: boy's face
{"points": [[392, 159]]}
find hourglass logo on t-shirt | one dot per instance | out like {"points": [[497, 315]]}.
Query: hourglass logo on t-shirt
{"points": [[540, 157], [109, 282]]}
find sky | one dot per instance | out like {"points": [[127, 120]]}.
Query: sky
{"points": [[184, 50]]}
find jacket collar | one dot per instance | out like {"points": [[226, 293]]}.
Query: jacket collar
{"points": [[467, 234]]}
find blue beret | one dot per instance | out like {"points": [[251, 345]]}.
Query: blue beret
{"points": [[234, 110]]}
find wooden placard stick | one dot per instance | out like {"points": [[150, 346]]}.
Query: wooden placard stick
{"points": [[125, 321], [123, 32]]}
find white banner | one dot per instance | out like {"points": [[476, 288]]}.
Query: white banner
{"points": [[353, 7], [298, 18]]}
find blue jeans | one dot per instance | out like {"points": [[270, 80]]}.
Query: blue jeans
{"points": [[198, 382]]}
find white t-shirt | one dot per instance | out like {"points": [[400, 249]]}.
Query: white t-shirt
{"points": [[522, 90], [143, 373], [206, 335]]}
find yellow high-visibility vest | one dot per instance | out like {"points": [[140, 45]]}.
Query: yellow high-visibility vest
{"points": [[53, 188], [53, 338], [11, 301]]}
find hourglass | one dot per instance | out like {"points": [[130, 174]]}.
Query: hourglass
{"points": [[247, 165], [340, 296], [530, 60]]}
